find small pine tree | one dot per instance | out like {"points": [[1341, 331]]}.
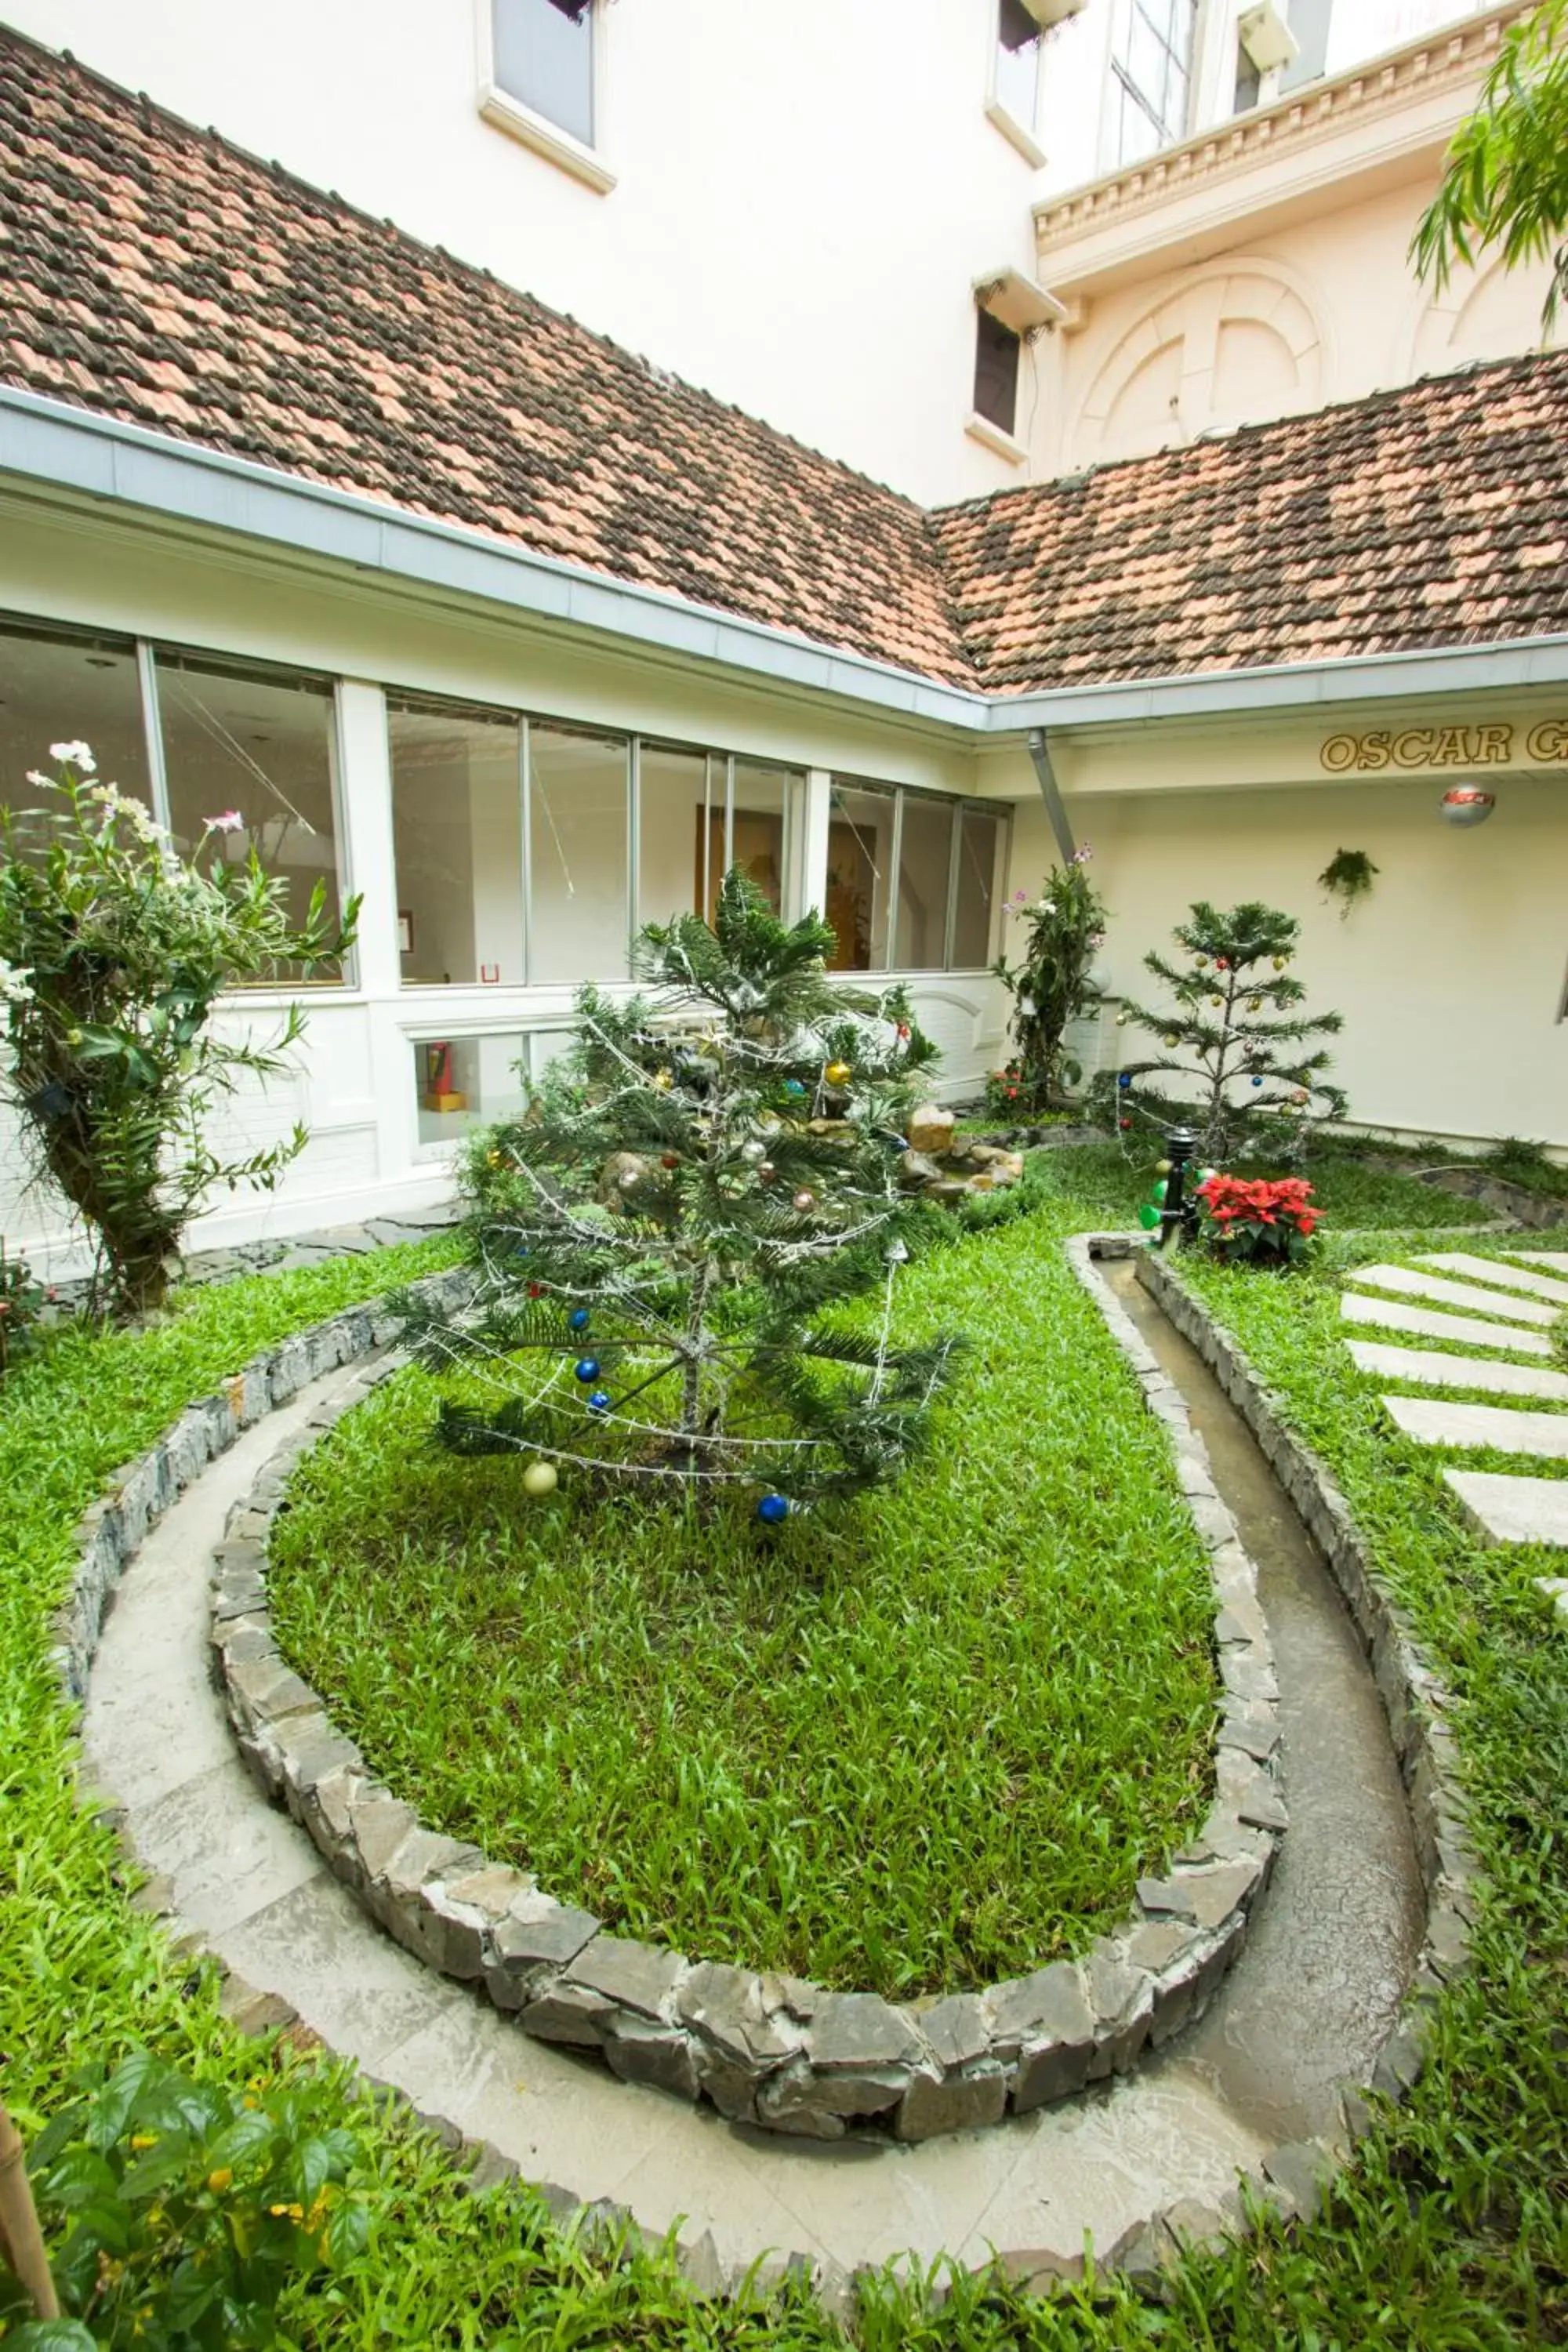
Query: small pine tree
{"points": [[1237, 1032], [655, 1240]]}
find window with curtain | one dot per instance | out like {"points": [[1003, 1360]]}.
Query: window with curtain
{"points": [[543, 53], [1016, 71]]}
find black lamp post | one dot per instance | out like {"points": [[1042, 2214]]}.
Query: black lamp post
{"points": [[1178, 1214]]}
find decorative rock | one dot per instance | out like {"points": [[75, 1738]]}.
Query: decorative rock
{"points": [[934, 2104], [570, 2013], [955, 2030], [537, 1938], [640, 2053], [860, 2030], [723, 2006], [639, 1977], [930, 1128]]}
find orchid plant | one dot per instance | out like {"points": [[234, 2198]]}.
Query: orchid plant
{"points": [[1051, 985], [115, 950]]}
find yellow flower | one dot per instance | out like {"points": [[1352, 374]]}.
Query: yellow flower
{"points": [[143, 2139], [221, 2179], [294, 2213]]}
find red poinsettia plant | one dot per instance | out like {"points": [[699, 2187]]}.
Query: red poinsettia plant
{"points": [[1257, 1219]]}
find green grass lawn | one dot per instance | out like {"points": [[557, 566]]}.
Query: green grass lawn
{"points": [[1101, 1180], [1449, 2233], [917, 1742]]}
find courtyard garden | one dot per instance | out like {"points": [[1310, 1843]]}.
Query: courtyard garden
{"points": [[1448, 2227], [774, 1551]]}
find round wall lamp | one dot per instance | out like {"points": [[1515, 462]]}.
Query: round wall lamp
{"points": [[1467, 805]]}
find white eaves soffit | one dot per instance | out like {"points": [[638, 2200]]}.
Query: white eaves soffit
{"points": [[51, 448]]}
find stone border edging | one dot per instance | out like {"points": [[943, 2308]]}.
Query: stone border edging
{"points": [[1415, 1701], [768, 2050]]}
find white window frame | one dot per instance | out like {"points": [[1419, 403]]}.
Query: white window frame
{"points": [[504, 112], [1021, 135]]}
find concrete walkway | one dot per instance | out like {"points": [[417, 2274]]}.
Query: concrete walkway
{"points": [[1303, 2013]]}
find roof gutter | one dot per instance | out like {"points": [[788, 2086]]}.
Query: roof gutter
{"points": [[55, 445]]}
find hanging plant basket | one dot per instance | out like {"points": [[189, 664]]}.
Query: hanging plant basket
{"points": [[1348, 876]]}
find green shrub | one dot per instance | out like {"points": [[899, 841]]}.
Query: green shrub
{"points": [[183, 2208], [113, 950]]}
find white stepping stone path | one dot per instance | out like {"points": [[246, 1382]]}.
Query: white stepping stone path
{"points": [[1488, 1299], [1462, 1294], [1429, 1367], [1491, 1269], [1544, 1435], [1426, 1323]]}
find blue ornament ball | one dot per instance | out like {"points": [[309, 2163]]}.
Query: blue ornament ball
{"points": [[600, 1400], [1124, 1078], [588, 1369], [794, 1089], [1258, 1082], [578, 1319], [773, 1508]]}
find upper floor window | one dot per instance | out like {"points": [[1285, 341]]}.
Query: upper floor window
{"points": [[1151, 65], [1016, 77], [541, 78], [544, 59], [995, 373]]}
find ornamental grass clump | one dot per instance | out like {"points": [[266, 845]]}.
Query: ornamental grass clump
{"points": [[1256, 1220], [113, 950]]}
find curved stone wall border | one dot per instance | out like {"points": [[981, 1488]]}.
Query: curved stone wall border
{"points": [[1414, 1699], [773, 2051]]}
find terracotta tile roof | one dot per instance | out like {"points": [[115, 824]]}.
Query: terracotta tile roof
{"points": [[151, 271], [1436, 515]]}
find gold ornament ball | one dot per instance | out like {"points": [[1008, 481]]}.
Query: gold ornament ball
{"points": [[1162, 1167], [1254, 1004], [1216, 1000], [540, 1479], [1280, 962], [663, 1080], [837, 1074], [1171, 1041], [1121, 1020], [805, 1201]]}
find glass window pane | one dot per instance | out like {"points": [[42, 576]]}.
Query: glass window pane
{"points": [[577, 851], [456, 822], [995, 371], [680, 807], [982, 846], [925, 864], [1017, 61], [464, 1082], [63, 688], [256, 746], [763, 833], [544, 58], [859, 862]]}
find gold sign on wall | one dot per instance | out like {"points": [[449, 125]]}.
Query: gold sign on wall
{"points": [[1443, 747]]}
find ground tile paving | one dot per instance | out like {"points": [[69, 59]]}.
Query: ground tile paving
{"points": [[1511, 1278], [1430, 1323], [1465, 1296]]}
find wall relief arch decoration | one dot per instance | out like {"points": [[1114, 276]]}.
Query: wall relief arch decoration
{"points": [[1492, 314], [1236, 344]]}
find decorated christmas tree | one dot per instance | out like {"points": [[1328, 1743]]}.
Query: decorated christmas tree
{"points": [[1236, 1036], [658, 1242]]}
